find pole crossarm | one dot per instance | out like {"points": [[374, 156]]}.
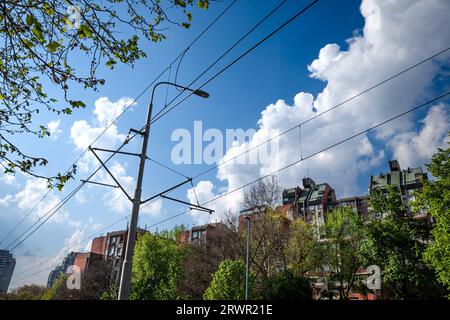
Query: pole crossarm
{"points": [[137, 131], [100, 183], [109, 172], [191, 206], [167, 190], [210, 211], [119, 152], [125, 278]]}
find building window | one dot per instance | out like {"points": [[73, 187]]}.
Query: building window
{"points": [[198, 235]]}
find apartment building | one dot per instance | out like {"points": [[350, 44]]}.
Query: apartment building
{"points": [[201, 234], [310, 202], [85, 260], [62, 268], [7, 264], [112, 248], [359, 204], [406, 181]]}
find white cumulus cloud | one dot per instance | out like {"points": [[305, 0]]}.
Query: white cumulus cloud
{"points": [[153, 209], [9, 179], [53, 129], [106, 111], [396, 35], [413, 148], [31, 195]]}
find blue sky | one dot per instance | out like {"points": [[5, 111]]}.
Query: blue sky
{"points": [[261, 91]]}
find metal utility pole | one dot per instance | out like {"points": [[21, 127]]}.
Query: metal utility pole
{"points": [[247, 267], [125, 279]]}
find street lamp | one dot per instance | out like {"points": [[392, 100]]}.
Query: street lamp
{"points": [[247, 264], [125, 279]]}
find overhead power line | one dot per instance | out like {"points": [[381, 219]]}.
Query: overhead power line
{"points": [[215, 76], [24, 217], [58, 206], [160, 114], [67, 249], [217, 60], [325, 111], [299, 160], [309, 156], [180, 55]]}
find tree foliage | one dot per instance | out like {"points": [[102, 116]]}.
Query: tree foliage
{"points": [[263, 194], [285, 285], [27, 292], [59, 290], [228, 282], [43, 44], [435, 198], [343, 247], [157, 267], [269, 236], [303, 252], [396, 243], [203, 258]]}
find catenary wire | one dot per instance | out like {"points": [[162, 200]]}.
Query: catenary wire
{"points": [[123, 112], [308, 157]]}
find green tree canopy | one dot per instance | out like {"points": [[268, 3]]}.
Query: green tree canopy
{"points": [[303, 251], [343, 247], [396, 243], [285, 285], [42, 44], [435, 198], [157, 267], [228, 282], [58, 290]]}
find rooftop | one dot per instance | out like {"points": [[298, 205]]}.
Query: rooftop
{"points": [[317, 192], [397, 177]]}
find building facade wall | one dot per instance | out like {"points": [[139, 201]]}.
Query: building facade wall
{"points": [[7, 265]]}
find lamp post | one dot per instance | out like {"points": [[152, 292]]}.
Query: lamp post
{"points": [[247, 266], [125, 279]]}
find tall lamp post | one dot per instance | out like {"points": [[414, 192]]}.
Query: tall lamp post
{"points": [[125, 279], [247, 265]]}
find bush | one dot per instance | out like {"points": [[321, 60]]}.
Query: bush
{"points": [[285, 285]]}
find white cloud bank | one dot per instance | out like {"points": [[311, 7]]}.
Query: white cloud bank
{"points": [[153, 209], [9, 180], [31, 195], [54, 130], [83, 134], [396, 35]]}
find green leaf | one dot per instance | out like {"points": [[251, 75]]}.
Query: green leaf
{"points": [[29, 20], [110, 63], [85, 32], [77, 104], [52, 46], [67, 111], [37, 31]]}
